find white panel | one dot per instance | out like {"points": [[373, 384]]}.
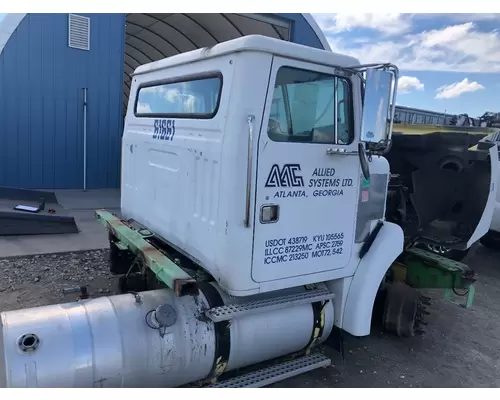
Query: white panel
{"points": [[78, 32]]}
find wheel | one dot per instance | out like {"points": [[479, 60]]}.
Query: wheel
{"points": [[491, 240], [402, 310], [452, 254]]}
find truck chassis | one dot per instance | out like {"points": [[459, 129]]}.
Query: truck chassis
{"points": [[147, 262]]}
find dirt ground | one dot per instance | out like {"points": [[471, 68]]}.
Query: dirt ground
{"points": [[461, 348]]}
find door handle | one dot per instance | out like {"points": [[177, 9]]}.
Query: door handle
{"points": [[250, 120]]}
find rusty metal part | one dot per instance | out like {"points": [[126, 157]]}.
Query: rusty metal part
{"points": [[149, 256], [399, 272]]}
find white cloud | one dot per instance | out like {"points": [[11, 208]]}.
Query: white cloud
{"points": [[383, 51], [173, 95], [459, 47], [143, 108], [447, 36], [458, 88], [389, 23], [461, 17], [408, 83]]}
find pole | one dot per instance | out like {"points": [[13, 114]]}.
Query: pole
{"points": [[84, 139]]}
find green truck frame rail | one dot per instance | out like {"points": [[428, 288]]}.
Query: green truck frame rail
{"points": [[426, 270], [422, 268], [136, 241]]}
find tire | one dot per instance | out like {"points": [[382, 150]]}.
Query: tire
{"points": [[400, 309], [491, 240]]}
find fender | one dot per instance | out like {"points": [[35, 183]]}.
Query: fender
{"points": [[495, 221], [488, 214], [386, 247]]}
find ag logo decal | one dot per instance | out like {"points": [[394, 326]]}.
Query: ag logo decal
{"points": [[288, 176]]}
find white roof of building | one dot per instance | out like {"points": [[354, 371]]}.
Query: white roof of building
{"points": [[8, 25], [254, 43]]}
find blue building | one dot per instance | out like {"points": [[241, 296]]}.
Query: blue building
{"points": [[65, 80]]}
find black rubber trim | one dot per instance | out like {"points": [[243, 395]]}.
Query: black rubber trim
{"points": [[222, 332], [370, 239]]}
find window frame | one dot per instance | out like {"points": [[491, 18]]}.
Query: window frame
{"points": [[337, 77], [183, 79]]}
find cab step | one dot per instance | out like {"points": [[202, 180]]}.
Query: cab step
{"points": [[276, 373], [231, 311]]}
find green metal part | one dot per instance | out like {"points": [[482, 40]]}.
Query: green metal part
{"points": [[426, 270], [450, 296], [135, 240]]}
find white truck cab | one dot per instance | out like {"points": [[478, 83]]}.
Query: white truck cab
{"points": [[256, 170], [245, 157]]}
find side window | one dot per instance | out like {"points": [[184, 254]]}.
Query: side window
{"points": [[311, 107], [196, 98], [278, 111]]}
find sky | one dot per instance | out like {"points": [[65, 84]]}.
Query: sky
{"points": [[448, 62]]}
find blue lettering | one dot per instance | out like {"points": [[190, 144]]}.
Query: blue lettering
{"points": [[164, 129], [156, 128]]}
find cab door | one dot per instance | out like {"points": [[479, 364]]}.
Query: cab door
{"points": [[308, 173]]}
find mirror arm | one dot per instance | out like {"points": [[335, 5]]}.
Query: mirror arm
{"points": [[395, 72]]}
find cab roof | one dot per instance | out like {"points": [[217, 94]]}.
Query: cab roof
{"points": [[256, 43]]}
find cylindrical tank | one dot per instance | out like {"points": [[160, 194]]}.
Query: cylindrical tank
{"points": [[111, 341]]}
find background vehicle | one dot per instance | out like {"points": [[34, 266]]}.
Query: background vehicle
{"points": [[422, 151]]}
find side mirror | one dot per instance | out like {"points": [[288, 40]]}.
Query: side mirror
{"points": [[376, 106]]}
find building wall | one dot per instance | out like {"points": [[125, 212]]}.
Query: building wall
{"points": [[41, 101], [41, 104]]}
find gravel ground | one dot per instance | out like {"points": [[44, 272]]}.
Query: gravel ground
{"points": [[461, 348], [40, 280]]}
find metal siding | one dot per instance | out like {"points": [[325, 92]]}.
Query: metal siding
{"points": [[41, 115], [302, 33]]}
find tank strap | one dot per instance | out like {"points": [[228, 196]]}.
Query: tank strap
{"points": [[319, 322], [222, 331]]}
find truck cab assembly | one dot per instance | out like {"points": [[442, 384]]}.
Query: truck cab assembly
{"points": [[259, 212]]}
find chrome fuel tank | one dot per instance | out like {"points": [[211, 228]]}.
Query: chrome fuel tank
{"points": [[114, 342]]}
